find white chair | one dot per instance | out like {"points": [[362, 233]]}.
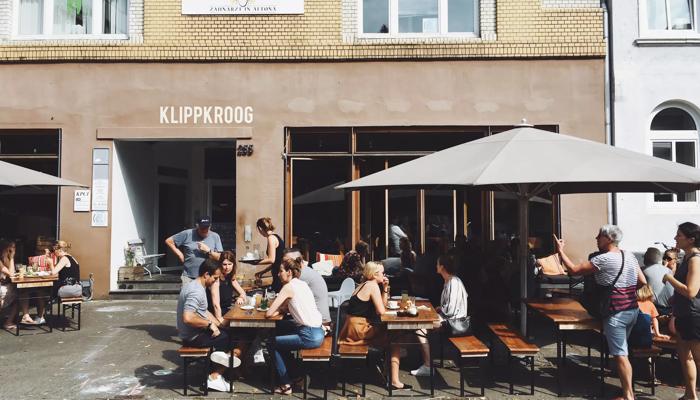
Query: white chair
{"points": [[143, 259], [338, 297]]}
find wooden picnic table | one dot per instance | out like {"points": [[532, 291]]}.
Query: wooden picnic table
{"points": [[249, 284], [26, 283], [426, 319], [254, 319], [567, 315]]}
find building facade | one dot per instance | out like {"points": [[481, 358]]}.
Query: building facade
{"points": [[656, 98], [169, 115]]}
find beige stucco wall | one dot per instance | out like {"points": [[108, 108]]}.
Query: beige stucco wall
{"points": [[81, 99]]}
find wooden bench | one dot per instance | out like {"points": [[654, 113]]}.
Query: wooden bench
{"points": [[356, 352], [647, 354], [320, 354], [190, 354], [517, 346], [70, 302], [666, 344], [470, 347]]}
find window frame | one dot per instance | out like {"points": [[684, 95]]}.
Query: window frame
{"points": [[394, 23], [646, 33], [47, 26], [674, 136]]}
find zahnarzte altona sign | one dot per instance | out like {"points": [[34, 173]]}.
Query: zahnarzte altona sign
{"points": [[242, 7]]}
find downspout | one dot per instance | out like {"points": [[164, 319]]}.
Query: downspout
{"points": [[609, 96]]}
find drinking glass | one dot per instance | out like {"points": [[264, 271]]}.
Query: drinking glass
{"points": [[258, 299]]}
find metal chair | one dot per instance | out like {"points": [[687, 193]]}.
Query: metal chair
{"points": [[337, 297]]}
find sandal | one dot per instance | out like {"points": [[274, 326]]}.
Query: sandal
{"points": [[284, 389], [27, 321]]}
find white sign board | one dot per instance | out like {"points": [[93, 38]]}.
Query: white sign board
{"points": [[81, 200], [100, 187], [99, 218], [242, 7]]}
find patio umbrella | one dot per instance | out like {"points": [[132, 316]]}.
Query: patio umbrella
{"points": [[527, 162], [14, 175]]}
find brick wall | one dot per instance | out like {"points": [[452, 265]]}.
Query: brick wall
{"points": [[515, 29]]}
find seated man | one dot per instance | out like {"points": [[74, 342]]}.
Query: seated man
{"points": [[197, 327], [654, 271], [315, 281]]}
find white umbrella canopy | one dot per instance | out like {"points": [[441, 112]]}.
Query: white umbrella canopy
{"points": [[531, 160], [526, 162], [14, 175]]}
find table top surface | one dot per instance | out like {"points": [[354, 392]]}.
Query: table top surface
{"points": [[424, 315], [237, 314], [561, 310], [34, 279]]}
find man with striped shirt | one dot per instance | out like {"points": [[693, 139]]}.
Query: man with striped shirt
{"points": [[605, 267]]}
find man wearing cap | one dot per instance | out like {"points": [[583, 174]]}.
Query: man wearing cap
{"points": [[193, 246]]}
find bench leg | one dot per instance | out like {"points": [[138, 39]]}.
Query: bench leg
{"points": [[184, 375], [305, 387], [483, 378], [80, 311], [432, 377], [653, 376], [532, 375], [510, 373], [207, 363], [461, 378]]}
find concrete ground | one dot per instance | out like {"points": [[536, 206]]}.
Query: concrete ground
{"points": [[127, 349]]}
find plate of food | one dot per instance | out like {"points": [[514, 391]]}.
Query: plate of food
{"points": [[247, 307], [392, 307], [262, 309]]}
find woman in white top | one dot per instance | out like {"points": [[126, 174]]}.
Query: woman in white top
{"points": [[306, 331], [453, 306], [7, 289]]}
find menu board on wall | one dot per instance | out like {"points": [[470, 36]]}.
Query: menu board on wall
{"points": [[242, 7]]}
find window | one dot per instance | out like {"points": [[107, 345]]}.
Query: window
{"points": [[419, 17], [71, 18], [669, 18], [674, 138]]}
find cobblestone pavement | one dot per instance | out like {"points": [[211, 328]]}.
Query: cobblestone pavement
{"points": [[128, 350]]}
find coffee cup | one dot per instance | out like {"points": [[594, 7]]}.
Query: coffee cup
{"points": [[413, 310], [393, 304], [251, 301]]}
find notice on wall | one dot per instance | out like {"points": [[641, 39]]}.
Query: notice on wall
{"points": [[100, 187], [100, 218], [81, 200], [242, 7]]}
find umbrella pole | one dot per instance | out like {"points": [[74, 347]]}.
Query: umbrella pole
{"points": [[523, 203]]}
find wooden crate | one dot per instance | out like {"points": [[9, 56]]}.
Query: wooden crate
{"points": [[130, 273]]}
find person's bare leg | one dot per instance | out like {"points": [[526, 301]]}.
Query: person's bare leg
{"points": [[395, 363], [40, 308], [422, 336], [24, 306], [689, 367], [11, 313], [624, 369]]}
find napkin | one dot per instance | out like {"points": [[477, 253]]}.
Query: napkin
{"points": [[423, 307], [390, 313]]}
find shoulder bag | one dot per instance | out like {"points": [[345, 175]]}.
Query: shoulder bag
{"points": [[598, 302]]}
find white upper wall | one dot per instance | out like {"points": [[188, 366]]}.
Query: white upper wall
{"points": [[650, 70]]}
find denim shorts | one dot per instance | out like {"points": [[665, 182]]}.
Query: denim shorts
{"points": [[617, 328]]}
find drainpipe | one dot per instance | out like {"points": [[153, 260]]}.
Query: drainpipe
{"points": [[609, 96]]}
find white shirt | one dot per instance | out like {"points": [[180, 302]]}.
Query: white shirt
{"points": [[453, 301], [302, 305]]}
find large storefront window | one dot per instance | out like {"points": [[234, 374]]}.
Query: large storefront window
{"points": [[332, 221], [72, 17], [29, 215]]}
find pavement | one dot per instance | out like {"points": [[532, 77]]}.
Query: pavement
{"points": [[127, 349]]}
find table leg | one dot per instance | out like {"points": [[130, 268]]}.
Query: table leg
{"points": [[388, 366], [432, 376], [558, 362], [230, 361], [273, 362]]}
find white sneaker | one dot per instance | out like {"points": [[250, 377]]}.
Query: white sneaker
{"points": [[40, 321], [423, 370], [258, 357], [222, 358], [219, 384]]}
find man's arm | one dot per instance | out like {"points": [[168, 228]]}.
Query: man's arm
{"points": [[584, 268], [170, 242]]}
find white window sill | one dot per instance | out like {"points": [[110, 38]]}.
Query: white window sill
{"points": [[418, 36], [68, 38], [686, 41]]}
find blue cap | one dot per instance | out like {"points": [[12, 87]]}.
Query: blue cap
{"points": [[204, 222]]}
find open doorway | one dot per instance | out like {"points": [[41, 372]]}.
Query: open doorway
{"points": [[159, 189]]}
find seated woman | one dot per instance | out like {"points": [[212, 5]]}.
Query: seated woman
{"points": [[362, 325], [354, 262], [304, 332], [220, 295], [7, 289], [453, 307], [68, 271]]}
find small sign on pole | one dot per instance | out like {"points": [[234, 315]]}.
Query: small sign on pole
{"points": [[81, 200]]}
